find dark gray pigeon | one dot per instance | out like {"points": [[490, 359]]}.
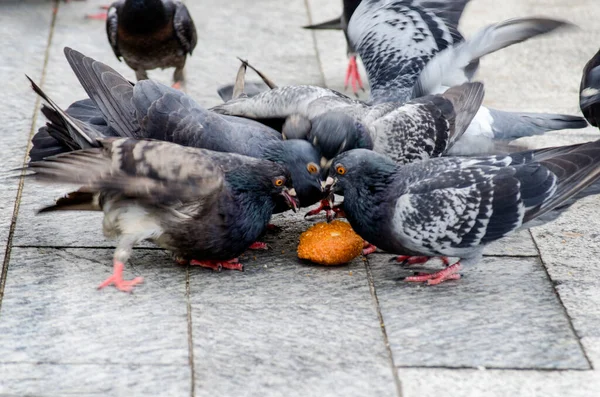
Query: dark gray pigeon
{"points": [[152, 110], [150, 34], [409, 50], [589, 91], [204, 206], [452, 206], [422, 128]]}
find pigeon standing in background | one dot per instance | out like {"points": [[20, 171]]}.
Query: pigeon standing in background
{"points": [[589, 91], [150, 34], [205, 207], [151, 110], [341, 23], [410, 50], [452, 206]]}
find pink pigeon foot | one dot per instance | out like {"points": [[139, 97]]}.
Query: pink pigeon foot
{"points": [[117, 279]]}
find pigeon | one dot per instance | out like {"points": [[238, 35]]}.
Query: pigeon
{"points": [[449, 11], [150, 34], [409, 51], [148, 109], [451, 207], [206, 207], [589, 92], [422, 128], [341, 23]]}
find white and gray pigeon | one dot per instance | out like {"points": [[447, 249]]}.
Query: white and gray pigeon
{"points": [[422, 128], [451, 207], [409, 50], [206, 207], [152, 110]]}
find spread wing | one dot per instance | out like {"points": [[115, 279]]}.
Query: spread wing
{"points": [[159, 173]]}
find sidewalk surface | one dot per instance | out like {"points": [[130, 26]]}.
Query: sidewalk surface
{"points": [[524, 322]]}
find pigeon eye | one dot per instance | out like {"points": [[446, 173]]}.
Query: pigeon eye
{"points": [[312, 168], [279, 182], [340, 169]]}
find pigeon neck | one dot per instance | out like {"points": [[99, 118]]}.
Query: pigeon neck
{"points": [[274, 151], [143, 16]]}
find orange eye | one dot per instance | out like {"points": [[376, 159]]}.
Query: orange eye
{"points": [[340, 169], [312, 168], [279, 182]]}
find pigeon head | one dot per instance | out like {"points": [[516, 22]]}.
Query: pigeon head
{"points": [[296, 126], [359, 169], [334, 133], [302, 160], [265, 178]]}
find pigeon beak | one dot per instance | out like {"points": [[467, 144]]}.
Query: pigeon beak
{"points": [[290, 197], [329, 184]]}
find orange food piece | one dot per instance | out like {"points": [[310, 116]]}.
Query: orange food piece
{"points": [[330, 243]]}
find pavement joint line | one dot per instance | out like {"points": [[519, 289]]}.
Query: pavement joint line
{"points": [[371, 282], [494, 369], [562, 304], [36, 106], [315, 46], [190, 333], [100, 364]]}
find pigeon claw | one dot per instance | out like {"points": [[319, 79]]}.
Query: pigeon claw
{"points": [[177, 85], [116, 279], [449, 273], [218, 265], [101, 16], [257, 245], [353, 76], [325, 205], [368, 248]]}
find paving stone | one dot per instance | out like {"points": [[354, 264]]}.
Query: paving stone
{"points": [[23, 24], [569, 248], [503, 313], [294, 328], [289, 349], [494, 383], [51, 380], [331, 47], [52, 312], [516, 244], [280, 48]]}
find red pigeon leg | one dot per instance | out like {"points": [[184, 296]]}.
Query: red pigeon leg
{"points": [[325, 205], [257, 245], [368, 248], [217, 265], [117, 279], [353, 76], [449, 273]]}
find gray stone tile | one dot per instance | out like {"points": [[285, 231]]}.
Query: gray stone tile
{"points": [[331, 46], [280, 48], [52, 312], [494, 383], [503, 313], [51, 380], [569, 248], [290, 349], [24, 24], [516, 244]]}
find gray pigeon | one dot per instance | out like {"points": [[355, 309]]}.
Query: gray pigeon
{"points": [[410, 50], [451, 206], [589, 92], [422, 128], [152, 110], [204, 206], [449, 11], [150, 34]]}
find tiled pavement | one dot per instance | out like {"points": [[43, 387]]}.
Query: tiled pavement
{"points": [[524, 322]]}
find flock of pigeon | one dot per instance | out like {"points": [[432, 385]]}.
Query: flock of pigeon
{"points": [[417, 165]]}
